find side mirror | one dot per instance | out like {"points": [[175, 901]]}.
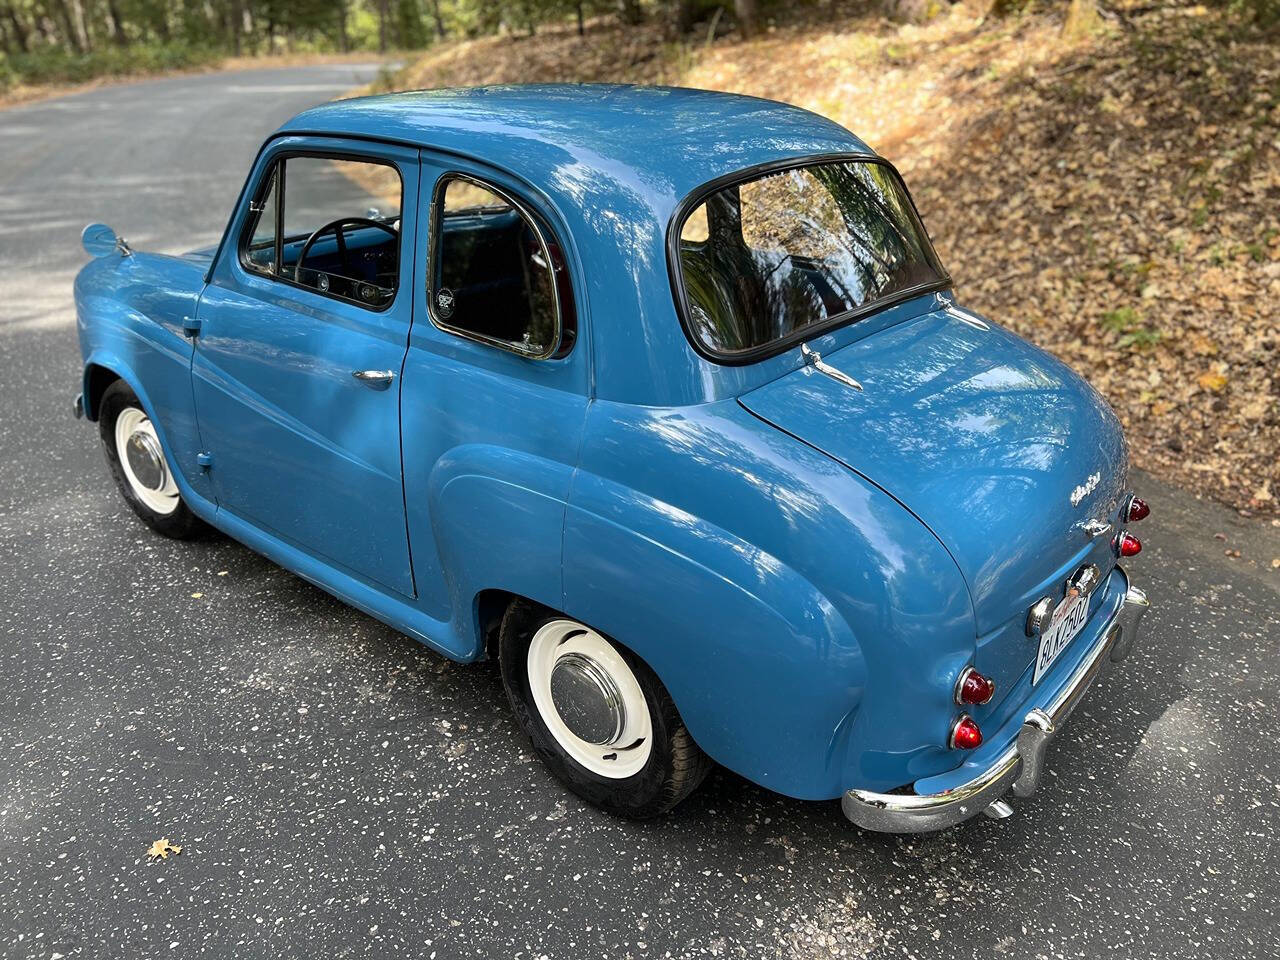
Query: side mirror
{"points": [[99, 240]]}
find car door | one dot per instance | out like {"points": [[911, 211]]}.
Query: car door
{"points": [[301, 343], [495, 390]]}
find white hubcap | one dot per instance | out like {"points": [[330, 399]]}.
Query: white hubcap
{"points": [[143, 461], [589, 699]]}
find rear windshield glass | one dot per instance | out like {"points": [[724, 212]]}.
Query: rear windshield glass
{"points": [[764, 259]]}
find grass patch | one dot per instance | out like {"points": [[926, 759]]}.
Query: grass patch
{"points": [[1132, 329]]}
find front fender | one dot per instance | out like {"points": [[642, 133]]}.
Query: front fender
{"points": [[807, 626], [129, 319], [197, 494]]}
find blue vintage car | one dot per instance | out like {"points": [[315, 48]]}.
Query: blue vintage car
{"points": [[659, 397]]}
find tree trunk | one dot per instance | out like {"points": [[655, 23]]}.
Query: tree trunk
{"points": [[160, 23], [344, 42], [582, 27], [117, 24], [631, 12], [438, 18], [745, 10], [236, 17], [21, 35], [60, 17], [382, 25], [682, 17], [1082, 20], [75, 17]]}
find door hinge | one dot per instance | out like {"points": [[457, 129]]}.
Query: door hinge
{"points": [[191, 326], [205, 460]]}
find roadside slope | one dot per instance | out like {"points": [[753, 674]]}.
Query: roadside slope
{"points": [[1117, 201]]}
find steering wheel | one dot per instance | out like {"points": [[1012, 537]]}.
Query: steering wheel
{"points": [[336, 226]]}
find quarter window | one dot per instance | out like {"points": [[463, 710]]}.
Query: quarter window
{"points": [[496, 275], [330, 225]]}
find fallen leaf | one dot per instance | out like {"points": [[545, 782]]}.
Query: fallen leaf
{"points": [[196, 596], [162, 848], [1212, 381]]}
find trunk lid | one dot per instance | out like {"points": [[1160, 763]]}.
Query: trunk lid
{"points": [[996, 446]]}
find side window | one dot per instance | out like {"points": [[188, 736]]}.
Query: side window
{"points": [[330, 225], [497, 275]]}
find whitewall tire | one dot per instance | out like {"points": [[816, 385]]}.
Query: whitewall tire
{"points": [[596, 714], [590, 699], [139, 466]]}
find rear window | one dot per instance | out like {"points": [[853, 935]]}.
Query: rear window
{"points": [[771, 260]]}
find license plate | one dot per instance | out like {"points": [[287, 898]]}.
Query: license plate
{"points": [[1067, 621]]}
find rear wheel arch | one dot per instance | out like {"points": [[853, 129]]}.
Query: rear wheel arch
{"points": [[489, 608], [672, 764]]}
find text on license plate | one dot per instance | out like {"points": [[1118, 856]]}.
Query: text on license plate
{"points": [[1065, 624]]}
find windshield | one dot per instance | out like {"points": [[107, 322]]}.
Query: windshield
{"points": [[768, 260]]}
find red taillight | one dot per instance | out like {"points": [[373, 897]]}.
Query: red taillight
{"points": [[965, 734], [1138, 509], [973, 688], [1127, 545]]}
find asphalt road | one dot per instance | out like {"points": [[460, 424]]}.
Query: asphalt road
{"points": [[339, 791]]}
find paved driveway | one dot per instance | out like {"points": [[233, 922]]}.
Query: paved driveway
{"points": [[339, 791]]}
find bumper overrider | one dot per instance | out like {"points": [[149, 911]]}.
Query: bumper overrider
{"points": [[1020, 765]]}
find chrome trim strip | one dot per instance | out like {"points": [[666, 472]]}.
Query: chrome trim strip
{"points": [[947, 305], [1020, 765]]}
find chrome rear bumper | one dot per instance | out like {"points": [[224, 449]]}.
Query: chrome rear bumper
{"points": [[1020, 766]]}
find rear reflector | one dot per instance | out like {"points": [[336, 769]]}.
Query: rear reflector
{"points": [[1127, 545], [1138, 509], [965, 734]]}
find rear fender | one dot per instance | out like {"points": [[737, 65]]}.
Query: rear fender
{"points": [[497, 516], [764, 670], [808, 627]]}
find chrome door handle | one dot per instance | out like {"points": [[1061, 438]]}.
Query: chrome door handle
{"points": [[374, 377]]}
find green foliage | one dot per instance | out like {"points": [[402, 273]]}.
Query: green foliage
{"points": [[7, 77], [1120, 320], [57, 65], [1266, 13], [409, 23]]}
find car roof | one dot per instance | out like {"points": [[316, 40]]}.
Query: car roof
{"points": [[613, 163], [668, 139]]}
